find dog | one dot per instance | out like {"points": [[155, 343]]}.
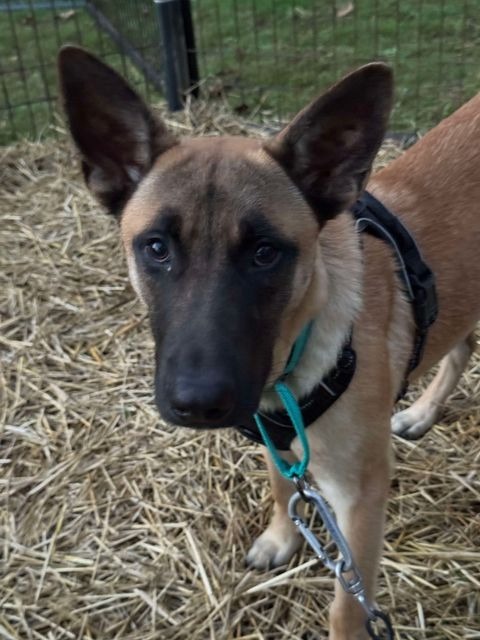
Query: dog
{"points": [[236, 244]]}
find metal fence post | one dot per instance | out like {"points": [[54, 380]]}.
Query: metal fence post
{"points": [[193, 75], [178, 49]]}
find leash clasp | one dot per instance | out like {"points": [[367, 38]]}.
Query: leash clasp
{"points": [[305, 493], [378, 624]]}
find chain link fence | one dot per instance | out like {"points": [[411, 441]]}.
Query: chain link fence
{"points": [[267, 58]]}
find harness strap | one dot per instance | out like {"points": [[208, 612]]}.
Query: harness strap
{"points": [[418, 279]]}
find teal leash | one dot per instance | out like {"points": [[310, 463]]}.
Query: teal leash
{"points": [[299, 468], [377, 624]]}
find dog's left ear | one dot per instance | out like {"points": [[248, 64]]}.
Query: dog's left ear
{"points": [[329, 148]]}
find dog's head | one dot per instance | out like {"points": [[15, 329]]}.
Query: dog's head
{"points": [[221, 233]]}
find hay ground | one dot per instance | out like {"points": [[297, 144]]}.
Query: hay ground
{"points": [[116, 526]]}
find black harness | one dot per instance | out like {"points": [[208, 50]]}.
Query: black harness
{"points": [[419, 285]]}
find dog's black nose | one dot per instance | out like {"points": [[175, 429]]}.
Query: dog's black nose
{"points": [[201, 400]]}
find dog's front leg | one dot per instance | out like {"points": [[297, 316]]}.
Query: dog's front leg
{"points": [[356, 485], [280, 539], [352, 473]]}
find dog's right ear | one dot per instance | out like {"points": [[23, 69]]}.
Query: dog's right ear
{"points": [[117, 135]]}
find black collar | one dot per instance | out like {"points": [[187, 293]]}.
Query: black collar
{"points": [[419, 282], [312, 406]]}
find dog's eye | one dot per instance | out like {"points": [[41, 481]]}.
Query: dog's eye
{"points": [[157, 249], [265, 255]]}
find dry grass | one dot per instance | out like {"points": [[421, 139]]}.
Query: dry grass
{"points": [[115, 526]]}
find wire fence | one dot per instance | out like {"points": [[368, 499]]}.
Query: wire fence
{"points": [[123, 34], [267, 58], [273, 56]]}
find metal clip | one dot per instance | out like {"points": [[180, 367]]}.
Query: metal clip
{"points": [[307, 494], [345, 564]]}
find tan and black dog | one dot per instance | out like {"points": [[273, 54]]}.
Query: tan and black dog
{"points": [[235, 244]]}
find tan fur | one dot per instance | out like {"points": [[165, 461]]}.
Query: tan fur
{"points": [[422, 415], [435, 188], [338, 281], [333, 297]]}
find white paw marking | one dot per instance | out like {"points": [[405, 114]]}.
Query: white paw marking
{"points": [[412, 424], [272, 549]]}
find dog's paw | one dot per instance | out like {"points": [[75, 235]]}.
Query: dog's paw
{"points": [[273, 548], [412, 424]]}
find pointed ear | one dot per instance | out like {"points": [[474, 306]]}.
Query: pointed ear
{"points": [[117, 135], [329, 148]]}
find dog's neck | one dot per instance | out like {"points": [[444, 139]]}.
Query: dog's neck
{"points": [[341, 266]]}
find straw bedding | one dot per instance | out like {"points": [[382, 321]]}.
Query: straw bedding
{"points": [[114, 525]]}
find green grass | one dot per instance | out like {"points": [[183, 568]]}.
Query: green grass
{"points": [[280, 53], [268, 57], [28, 81]]}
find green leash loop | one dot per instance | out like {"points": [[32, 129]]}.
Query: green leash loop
{"points": [[297, 469]]}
